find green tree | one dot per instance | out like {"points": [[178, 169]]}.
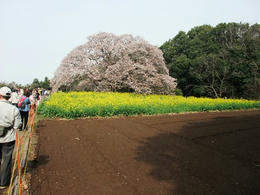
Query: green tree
{"points": [[40, 84], [45, 83], [216, 61], [35, 83]]}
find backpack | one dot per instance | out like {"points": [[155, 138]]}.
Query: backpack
{"points": [[21, 103], [3, 130]]}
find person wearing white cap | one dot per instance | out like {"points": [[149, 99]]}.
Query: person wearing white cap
{"points": [[10, 121]]}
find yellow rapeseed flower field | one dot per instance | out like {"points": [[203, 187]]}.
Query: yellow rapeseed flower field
{"points": [[86, 104]]}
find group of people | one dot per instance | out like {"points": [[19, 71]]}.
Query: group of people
{"points": [[14, 112], [23, 99]]}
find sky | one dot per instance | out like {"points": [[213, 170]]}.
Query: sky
{"points": [[36, 35]]}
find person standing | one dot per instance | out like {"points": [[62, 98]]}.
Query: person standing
{"points": [[10, 121], [20, 92], [24, 108], [14, 99]]}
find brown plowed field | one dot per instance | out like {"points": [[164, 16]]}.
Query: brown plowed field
{"points": [[198, 153]]}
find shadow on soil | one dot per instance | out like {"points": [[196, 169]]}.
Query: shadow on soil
{"points": [[205, 157], [40, 160]]}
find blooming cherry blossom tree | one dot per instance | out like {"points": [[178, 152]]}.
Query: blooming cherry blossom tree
{"points": [[114, 63]]}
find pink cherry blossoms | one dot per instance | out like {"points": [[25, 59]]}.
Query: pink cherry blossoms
{"points": [[114, 63]]}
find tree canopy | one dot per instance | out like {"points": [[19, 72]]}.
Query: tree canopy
{"points": [[108, 62], [35, 84], [40, 84], [220, 61]]}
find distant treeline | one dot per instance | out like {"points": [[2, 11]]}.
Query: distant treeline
{"points": [[35, 84], [221, 61]]}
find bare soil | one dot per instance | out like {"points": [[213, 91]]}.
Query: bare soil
{"points": [[197, 153]]}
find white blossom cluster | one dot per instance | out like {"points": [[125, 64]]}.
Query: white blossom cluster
{"points": [[115, 63]]}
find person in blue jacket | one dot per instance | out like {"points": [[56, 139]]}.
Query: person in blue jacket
{"points": [[24, 108]]}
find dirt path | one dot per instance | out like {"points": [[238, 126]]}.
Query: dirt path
{"points": [[201, 153]]}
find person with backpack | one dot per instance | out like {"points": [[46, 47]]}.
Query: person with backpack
{"points": [[24, 108], [10, 121]]}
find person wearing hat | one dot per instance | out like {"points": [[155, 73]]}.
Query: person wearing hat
{"points": [[10, 121]]}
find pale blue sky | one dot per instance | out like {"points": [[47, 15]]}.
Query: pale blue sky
{"points": [[36, 35]]}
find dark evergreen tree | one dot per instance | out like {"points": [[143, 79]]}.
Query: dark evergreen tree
{"points": [[221, 61]]}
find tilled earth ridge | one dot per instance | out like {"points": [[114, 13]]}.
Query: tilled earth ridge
{"points": [[196, 153]]}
